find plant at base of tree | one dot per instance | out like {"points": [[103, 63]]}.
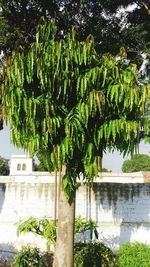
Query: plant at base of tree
{"points": [[139, 162], [28, 257], [134, 255], [42, 227], [47, 229], [94, 255]]}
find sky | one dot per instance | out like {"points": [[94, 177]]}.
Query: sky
{"points": [[111, 161]]}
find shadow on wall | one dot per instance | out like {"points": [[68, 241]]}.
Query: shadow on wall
{"points": [[7, 253], [126, 207], [2, 195]]}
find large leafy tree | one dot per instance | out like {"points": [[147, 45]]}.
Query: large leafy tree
{"points": [[65, 100], [111, 31]]}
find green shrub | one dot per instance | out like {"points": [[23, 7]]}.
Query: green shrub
{"points": [[47, 229], [28, 257], [139, 162], [134, 255], [93, 255]]}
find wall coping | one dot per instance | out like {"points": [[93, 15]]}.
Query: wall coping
{"points": [[46, 177]]}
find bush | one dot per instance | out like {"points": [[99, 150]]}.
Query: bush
{"points": [[139, 162], [28, 257], [93, 255], [134, 255]]}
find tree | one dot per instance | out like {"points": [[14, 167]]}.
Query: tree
{"points": [[126, 29], [139, 162], [106, 170], [19, 18], [42, 165], [4, 167], [68, 102]]}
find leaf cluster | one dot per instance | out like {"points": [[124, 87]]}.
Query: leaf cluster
{"points": [[42, 227], [28, 257], [82, 226], [47, 228]]}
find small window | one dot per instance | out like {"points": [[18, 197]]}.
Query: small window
{"points": [[19, 167], [24, 167]]}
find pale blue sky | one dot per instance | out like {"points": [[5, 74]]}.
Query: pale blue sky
{"points": [[111, 161]]}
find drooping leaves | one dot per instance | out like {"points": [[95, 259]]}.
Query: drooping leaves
{"points": [[62, 98]]}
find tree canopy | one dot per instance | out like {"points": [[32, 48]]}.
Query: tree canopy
{"points": [[64, 99], [111, 27], [139, 162]]}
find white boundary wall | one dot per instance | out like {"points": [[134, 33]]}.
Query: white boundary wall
{"points": [[120, 203]]}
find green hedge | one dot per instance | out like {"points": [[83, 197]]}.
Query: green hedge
{"points": [[134, 255]]}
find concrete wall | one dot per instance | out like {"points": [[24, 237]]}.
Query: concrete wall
{"points": [[120, 203]]}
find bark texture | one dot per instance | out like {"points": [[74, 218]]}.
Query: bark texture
{"points": [[65, 233]]}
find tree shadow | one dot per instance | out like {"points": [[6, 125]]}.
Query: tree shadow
{"points": [[123, 212]]}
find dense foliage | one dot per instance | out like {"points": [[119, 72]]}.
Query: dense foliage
{"points": [[110, 28], [41, 166], [64, 99], [90, 255], [94, 255], [134, 254], [139, 162], [28, 256], [4, 166]]}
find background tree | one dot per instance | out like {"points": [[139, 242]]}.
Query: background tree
{"points": [[106, 20], [106, 170], [65, 100], [4, 166], [42, 163], [139, 162]]}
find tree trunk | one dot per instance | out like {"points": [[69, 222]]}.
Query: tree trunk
{"points": [[65, 233]]}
